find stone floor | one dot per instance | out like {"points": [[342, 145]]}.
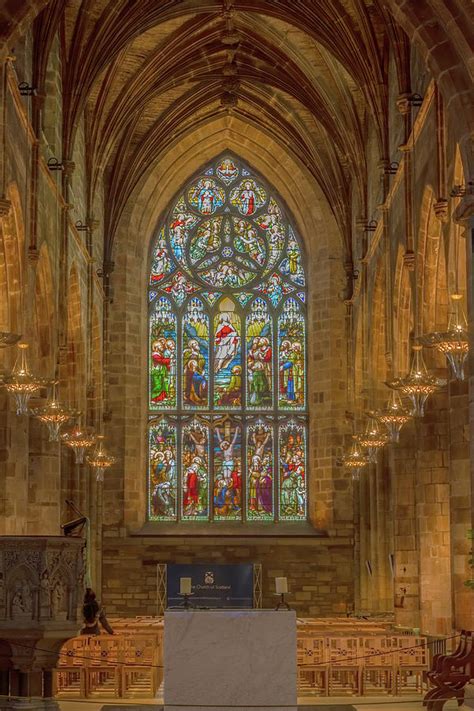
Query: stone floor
{"points": [[320, 704]]}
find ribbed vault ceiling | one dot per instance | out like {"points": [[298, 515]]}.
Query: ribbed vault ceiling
{"points": [[309, 73]]}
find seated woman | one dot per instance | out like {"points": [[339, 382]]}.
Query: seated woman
{"points": [[93, 614]]}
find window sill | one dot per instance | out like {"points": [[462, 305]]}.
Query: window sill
{"points": [[230, 530]]}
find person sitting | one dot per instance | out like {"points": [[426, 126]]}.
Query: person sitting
{"points": [[93, 613]]}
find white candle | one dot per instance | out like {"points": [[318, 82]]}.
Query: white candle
{"points": [[281, 585], [185, 586]]}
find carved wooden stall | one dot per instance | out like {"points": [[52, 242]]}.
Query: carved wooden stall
{"points": [[336, 657]]}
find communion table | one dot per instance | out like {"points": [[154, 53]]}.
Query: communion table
{"points": [[230, 659]]}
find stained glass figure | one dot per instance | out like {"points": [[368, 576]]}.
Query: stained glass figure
{"points": [[227, 317], [248, 241], [291, 266], [207, 196], [274, 288], [227, 273], [227, 170], [179, 287], [260, 472], [273, 224], [161, 265], [180, 224], [292, 458], [195, 471], [162, 471], [163, 331], [195, 347], [291, 356], [206, 239], [227, 494], [248, 197], [227, 356], [259, 351]]}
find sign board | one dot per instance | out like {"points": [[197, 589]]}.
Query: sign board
{"points": [[213, 586]]}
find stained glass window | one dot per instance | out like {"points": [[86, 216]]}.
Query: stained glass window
{"points": [[227, 432]]}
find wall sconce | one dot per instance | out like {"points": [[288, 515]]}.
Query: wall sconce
{"points": [[81, 227], [462, 190], [55, 164], [25, 89], [370, 226]]}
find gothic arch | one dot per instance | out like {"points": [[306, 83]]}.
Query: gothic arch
{"points": [[44, 312]]}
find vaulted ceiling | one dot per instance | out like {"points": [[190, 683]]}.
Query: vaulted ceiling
{"points": [[310, 73]]}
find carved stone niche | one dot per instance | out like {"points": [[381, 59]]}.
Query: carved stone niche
{"points": [[41, 581]]}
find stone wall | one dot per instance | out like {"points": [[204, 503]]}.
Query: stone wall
{"points": [[319, 571]]}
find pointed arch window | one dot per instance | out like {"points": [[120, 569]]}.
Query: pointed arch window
{"points": [[227, 405]]}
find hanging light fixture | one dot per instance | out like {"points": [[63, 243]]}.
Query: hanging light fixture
{"points": [[355, 460], [79, 439], [99, 459], [54, 414], [372, 440], [453, 343], [418, 385], [8, 339], [393, 416], [21, 383]]}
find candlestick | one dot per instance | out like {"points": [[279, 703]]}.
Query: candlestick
{"points": [[185, 586]]}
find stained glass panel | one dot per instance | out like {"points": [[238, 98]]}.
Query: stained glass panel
{"points": [[195, 347], [291, 356], [162, 472], [260, 472], [195, 471], [227, 472], [227, 299], [259, 337], [292, 457], [162, 346], [227, 357]]}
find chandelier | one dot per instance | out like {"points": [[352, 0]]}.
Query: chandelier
{"points": [[99, 459], [418, 385], [8, 339], [453, 343], [393, 416], [372, 440], [21, 383], [79, 439], [355, 460], [54, 414]]}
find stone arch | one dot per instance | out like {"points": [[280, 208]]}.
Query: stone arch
{"points": [[44, 313], [12, 263], [430, 268], [75, 364], [457, 248], [377, 364], [403, 313], [322, 240]]}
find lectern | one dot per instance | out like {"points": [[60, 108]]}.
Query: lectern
{"points": [[230, 659]]}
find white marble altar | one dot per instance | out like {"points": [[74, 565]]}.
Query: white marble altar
{"points": [[230, 659]]}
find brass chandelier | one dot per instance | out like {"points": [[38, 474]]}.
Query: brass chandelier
{"points": [[453, 343], [418, 385], [79, 439], [21, 383], [355, 460], [54, 414], [99, 459], [372, 440], [393, 416]]}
